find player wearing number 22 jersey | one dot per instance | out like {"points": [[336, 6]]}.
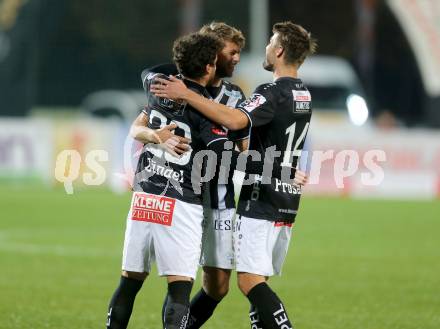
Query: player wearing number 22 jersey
{"points": [[166, 213], [174, 180], [172, 177]]}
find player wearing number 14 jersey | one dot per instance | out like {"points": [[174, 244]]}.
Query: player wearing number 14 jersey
{"points": [[278, 114]]}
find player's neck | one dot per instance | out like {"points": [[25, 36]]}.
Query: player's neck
{"points": [[217, 82], [202, 81], [281, 71]]}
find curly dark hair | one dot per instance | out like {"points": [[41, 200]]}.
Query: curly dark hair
{"points": [[296, 42], [194, 51]]}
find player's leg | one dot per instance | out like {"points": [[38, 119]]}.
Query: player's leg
{"points": [[267, 309], [216, 282], [261, 250], [177, 250], [214, 289], [176, 304], [217, 260], [254, 318], [136, 264], [122, 301]]}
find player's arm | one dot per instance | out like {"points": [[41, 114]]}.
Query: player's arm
{"points": [[226, 116], [140, 131], [243, 144], [301, 178], [240, 137]]}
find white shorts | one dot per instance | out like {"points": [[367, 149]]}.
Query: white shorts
{"points": [[173, 233], [217, 245], [138, 251], [260, 245]]}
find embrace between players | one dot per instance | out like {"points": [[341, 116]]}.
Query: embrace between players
{"points": [[189, 119]]}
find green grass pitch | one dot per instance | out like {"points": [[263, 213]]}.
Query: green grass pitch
{"points": [[351, 265]]}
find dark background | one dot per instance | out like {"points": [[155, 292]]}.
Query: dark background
{"points": [[63, 50]]}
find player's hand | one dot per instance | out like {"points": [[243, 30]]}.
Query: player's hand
{"points": [[301, 178], [164, 133], [173, 88], [176, 145]]}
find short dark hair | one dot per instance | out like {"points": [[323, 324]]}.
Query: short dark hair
{"points": [[296, 42], [194, 51], [225, 32]]}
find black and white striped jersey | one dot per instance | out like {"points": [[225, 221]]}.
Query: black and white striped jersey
{"points": [[222, 195]]}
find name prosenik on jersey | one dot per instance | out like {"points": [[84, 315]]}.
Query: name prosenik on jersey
{"points": [[286, 187]]}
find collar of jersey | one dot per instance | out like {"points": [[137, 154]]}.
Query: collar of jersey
{"points": [[287, 78], [198, 88]]}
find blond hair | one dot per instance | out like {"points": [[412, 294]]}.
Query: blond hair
{"points": [[225, 32]]}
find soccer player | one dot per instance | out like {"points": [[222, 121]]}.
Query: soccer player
{"points": [[166, 213], [279, 115], [217, 248]]}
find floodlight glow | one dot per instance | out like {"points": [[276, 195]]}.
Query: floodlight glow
{"points": [[357, 109]]}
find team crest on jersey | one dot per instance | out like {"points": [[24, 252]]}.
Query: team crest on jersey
{"points": [[302, 101], [152, 208], [177, 108], [253, 102]]}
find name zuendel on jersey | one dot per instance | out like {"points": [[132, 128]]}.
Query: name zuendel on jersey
{"points": [[166, 172]]}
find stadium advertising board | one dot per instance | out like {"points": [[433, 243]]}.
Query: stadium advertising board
{"points": [[375, 164], [26, 148]]}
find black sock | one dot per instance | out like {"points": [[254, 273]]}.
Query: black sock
{"points": [[270, 308], [164, 305], [177, 305], [254, 317], [121, 304], [201, 309]]}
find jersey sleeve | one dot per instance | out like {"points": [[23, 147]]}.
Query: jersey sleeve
{"points": [[236, 135], [147, 79], [259, 106], [167, 69], [211, 132]]}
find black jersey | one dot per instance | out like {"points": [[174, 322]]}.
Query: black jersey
{"points": [[279, 114], [222, 195], [159, 172]]}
